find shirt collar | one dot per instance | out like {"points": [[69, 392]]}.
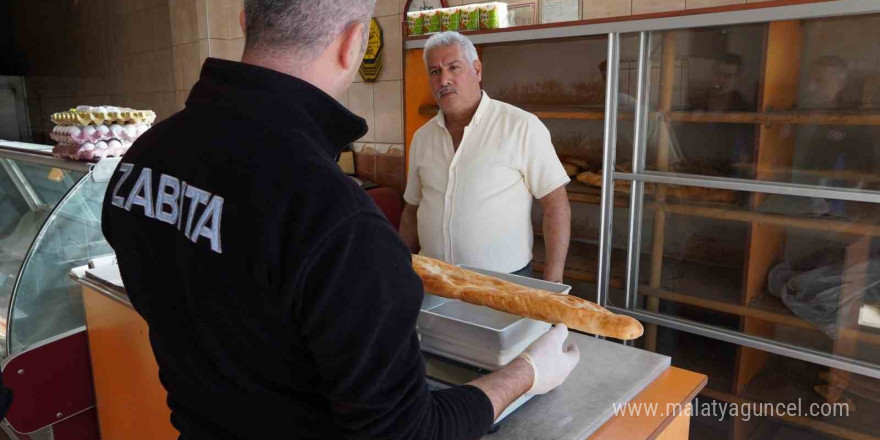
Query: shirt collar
{"points": [[278, 101], [482, 108]]}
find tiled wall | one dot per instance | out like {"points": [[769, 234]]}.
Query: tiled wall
{"points": [[144, 54], [379, 154], [94, 52], [202, 28]]}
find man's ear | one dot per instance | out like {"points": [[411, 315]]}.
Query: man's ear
{"points": [[242, 21], [350, 45], [478, 67]]}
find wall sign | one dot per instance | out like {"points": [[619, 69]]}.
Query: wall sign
{"points": [[372, 63], [555, 11], [522, 14]]}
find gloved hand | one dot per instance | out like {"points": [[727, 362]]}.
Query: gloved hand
{"points": [[551, 361]]}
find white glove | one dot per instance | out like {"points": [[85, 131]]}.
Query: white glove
{"points": [[552, 364]]}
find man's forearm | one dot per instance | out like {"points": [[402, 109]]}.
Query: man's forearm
{"points": [[409, 230], [557, 231], [506, 385]]}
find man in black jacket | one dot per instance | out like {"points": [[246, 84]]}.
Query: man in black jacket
{"points": [[280, 301]]}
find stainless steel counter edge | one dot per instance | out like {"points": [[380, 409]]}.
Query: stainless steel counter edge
{"points": [[114, 294]]}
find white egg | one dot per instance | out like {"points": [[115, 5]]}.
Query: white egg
{"points": [[114, 144], [103, 130], [101, 145], [89, 130], [88, 146]]}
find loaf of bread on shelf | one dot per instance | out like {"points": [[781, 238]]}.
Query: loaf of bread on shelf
{"points": [[448, 281], [701, 194], [571, 169], [595, 179], [590, 178], [694, 193], [580, 163]]}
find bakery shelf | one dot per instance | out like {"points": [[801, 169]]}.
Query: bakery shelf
{"points": [[582, 262], [590, 195], [776, 311], [592, 113], [585, 113], [785, 380], [801, 422], [804, 117], [765, 308]]}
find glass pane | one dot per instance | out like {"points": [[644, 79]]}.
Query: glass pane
{"points": [[27, 194], [47, 301], [569, 98], [792, 269], [786, 101], [846, 404]]}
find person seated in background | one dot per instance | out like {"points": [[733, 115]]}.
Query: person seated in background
{"points": [[842, 154], [723, 95]]}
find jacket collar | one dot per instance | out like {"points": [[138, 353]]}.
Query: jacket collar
{"points": [[279, 101]]}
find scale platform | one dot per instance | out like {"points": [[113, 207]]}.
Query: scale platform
{"points": [[608, 374]]}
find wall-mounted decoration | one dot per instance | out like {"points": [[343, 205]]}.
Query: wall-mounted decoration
{"points": [[555, 11], [523, 14], [372, 63]]}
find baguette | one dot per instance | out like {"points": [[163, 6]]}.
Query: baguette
{"points": [[576, 161], [448, 281], [571, 169]]}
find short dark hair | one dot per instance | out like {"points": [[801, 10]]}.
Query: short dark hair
{"points": [[303, 26]]}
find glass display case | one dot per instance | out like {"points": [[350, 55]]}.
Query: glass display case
{"points": [[731, 199], [50, 222]]}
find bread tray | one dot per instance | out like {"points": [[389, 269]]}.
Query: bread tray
{"points": [[478, 335]]}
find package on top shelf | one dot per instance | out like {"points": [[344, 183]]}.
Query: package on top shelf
{"points": [[493, 15], [449, 19], [415, 23], [469, 18], [462, 18], [432, 21]]}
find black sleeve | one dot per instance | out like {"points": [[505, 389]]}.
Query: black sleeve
{"points": [[106, 207], [360, 302]]}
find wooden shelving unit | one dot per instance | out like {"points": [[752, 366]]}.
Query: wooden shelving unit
{"points": [[545, 112], [734, 213], [738, 293], [701, 117]]}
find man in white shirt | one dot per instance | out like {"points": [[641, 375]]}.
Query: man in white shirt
{"points": [[475, 170]]}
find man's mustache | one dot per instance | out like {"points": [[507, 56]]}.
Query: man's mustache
{"points": [[446, 89]]}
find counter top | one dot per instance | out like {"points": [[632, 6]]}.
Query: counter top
{"points": [[608, 373]]}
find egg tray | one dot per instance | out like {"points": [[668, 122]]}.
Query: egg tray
{"points": [[126, 133], [74, 117], [90, 151]]}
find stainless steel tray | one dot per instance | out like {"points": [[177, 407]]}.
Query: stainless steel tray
{"points": [[478, 335]]}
